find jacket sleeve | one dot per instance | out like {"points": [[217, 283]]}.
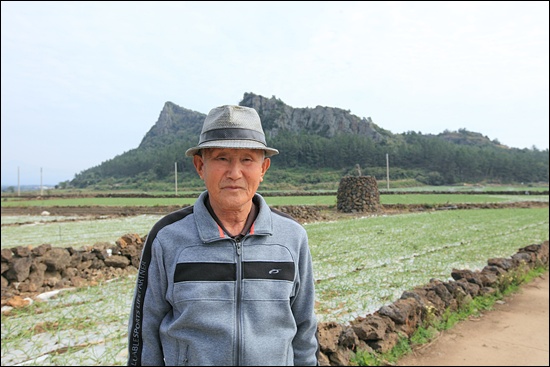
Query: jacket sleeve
{"points": [[305, 343], [149, 307]]}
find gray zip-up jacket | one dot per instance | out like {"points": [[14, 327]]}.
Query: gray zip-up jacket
{"points": [[203, 298]]}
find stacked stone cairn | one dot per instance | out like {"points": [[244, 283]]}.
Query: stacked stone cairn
{"points": [[358, 194]]}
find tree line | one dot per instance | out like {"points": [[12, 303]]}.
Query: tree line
{"points": [[428, 159]]}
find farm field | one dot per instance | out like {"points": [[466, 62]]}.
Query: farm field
{"points": [[401, 198], [360, 264], [365, 263], [77, 231]]}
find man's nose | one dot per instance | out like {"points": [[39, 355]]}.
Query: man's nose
{"points": [[234, 170]]}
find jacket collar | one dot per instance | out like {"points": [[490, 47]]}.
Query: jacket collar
{"points": [[209, 230]]}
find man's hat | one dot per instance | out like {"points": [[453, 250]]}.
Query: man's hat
{"points": [[234, 127]]}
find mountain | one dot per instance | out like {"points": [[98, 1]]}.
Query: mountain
{"points": [[325, 137], [176, 122]]}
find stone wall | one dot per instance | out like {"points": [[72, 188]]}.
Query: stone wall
{"points": [[358, 194], [27, 270]]}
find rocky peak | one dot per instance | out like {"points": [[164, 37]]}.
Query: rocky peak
{"points": [[174, 120], [324, 121]]}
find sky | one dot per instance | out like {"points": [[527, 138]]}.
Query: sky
{"points": [[83, 82]]}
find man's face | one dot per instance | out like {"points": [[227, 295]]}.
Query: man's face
{"points": [[231, 176]]}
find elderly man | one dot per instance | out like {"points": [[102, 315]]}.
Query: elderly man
{"points": [[228, 281]]}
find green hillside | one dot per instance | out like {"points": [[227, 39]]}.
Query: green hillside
{"points": [[319, 146]]}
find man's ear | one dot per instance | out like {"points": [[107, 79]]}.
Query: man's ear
{"points": [[199, 164], [265, 166]]}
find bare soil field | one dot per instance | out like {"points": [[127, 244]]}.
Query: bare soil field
{"points": [[323, 212]]}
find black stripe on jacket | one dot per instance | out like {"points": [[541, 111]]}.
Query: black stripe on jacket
{"points": [[136, 340], [220, 272]]}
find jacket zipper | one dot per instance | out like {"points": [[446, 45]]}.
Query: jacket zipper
{"points": [[238, 246], [186, 355]]}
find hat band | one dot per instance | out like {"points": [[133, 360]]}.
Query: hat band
{"points": [[232, 134]]}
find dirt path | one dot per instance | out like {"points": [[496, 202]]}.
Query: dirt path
{"points": [[514, 333]]}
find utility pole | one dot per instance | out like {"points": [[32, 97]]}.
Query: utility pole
{"points": [[387, 171], [18, 185], [176, 177], [41, 186]]}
